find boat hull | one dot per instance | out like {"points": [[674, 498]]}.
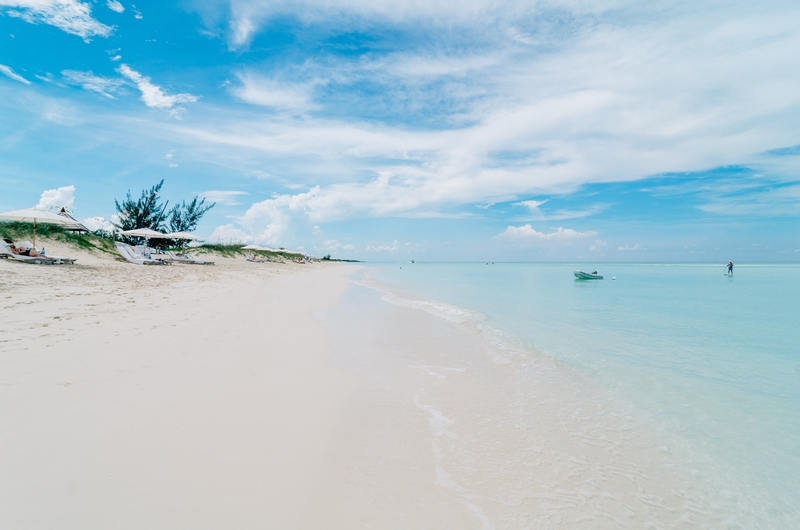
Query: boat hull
{"points": [[587, 276]]}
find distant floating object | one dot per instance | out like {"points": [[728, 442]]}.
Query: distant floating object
{"points": [[613, 277], [412, 261], [587, 275]]}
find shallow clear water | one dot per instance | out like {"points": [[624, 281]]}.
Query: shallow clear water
{"points": [[710, 362]]}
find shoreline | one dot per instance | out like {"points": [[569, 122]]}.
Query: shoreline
{"points": [[514, 439], [294, 396]]}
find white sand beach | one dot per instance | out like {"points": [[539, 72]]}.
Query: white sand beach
{"points": [[246, 396], [165, 397], [181, 397]]}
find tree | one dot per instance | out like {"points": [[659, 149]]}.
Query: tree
{"points": [[184, 217], [148, 212], [145, 212]]}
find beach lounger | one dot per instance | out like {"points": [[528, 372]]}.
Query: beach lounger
{"points": [[58, 259], [130, 255], [188, 258], [6, 253]]}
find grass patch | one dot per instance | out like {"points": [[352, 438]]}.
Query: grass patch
{"points": [[233, 251], [228, 251], [18, 231]]}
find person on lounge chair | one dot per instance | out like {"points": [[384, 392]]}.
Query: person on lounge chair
{"points": [[19, 251]]}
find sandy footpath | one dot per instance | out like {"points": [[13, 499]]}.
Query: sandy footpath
{"points": [[168, 397]]}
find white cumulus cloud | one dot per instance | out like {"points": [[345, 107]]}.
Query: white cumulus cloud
{"points": [[98, 223], [527, 233], [228, 235], [598, 245], [152, 95], [628, 247], [63, 197], [71, 16], [332, 245], [113, 5], [394, 247]]}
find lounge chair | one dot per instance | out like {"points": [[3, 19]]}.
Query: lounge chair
{"points": [[58, 259], [6, 253], [255, 259], [187, 258], [130, 255]]}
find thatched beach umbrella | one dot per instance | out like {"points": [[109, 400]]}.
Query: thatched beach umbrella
{"points": [[33, 215]]}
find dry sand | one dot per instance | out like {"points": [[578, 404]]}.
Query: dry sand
{"points": [[171, 397]]}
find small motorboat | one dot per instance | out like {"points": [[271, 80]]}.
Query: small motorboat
{"points": [[588, 275]]}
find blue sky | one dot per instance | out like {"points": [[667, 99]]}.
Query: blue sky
{"points": [[485, 130]]}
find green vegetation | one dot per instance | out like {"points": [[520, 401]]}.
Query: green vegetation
{"points": [[327, 257], [228, 251], [232, 251], [18, 231], [184, 217], [147, 212]]}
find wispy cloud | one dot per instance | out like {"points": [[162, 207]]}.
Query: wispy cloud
{"points": [[266, 92], [71, 16], [152, 95], [228, 198], [94, 83], [736, 191], [7, 71], [793, 150], [536, 214], [771, 201]]}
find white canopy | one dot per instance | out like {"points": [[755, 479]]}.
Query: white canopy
{"points": [[33, 215], [182, 235], [145, 232]]}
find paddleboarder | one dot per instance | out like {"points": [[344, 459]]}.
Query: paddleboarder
{"points": [[730, 267]]}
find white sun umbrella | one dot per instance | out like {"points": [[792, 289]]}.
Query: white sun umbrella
{"points": [[251, 247], [33, 215], [185, 236], [146, 233]]}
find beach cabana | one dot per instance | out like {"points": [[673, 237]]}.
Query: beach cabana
{"points": [[34, 215]]}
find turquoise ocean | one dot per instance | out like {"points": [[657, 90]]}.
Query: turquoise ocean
{"points": [[707, 361]]}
